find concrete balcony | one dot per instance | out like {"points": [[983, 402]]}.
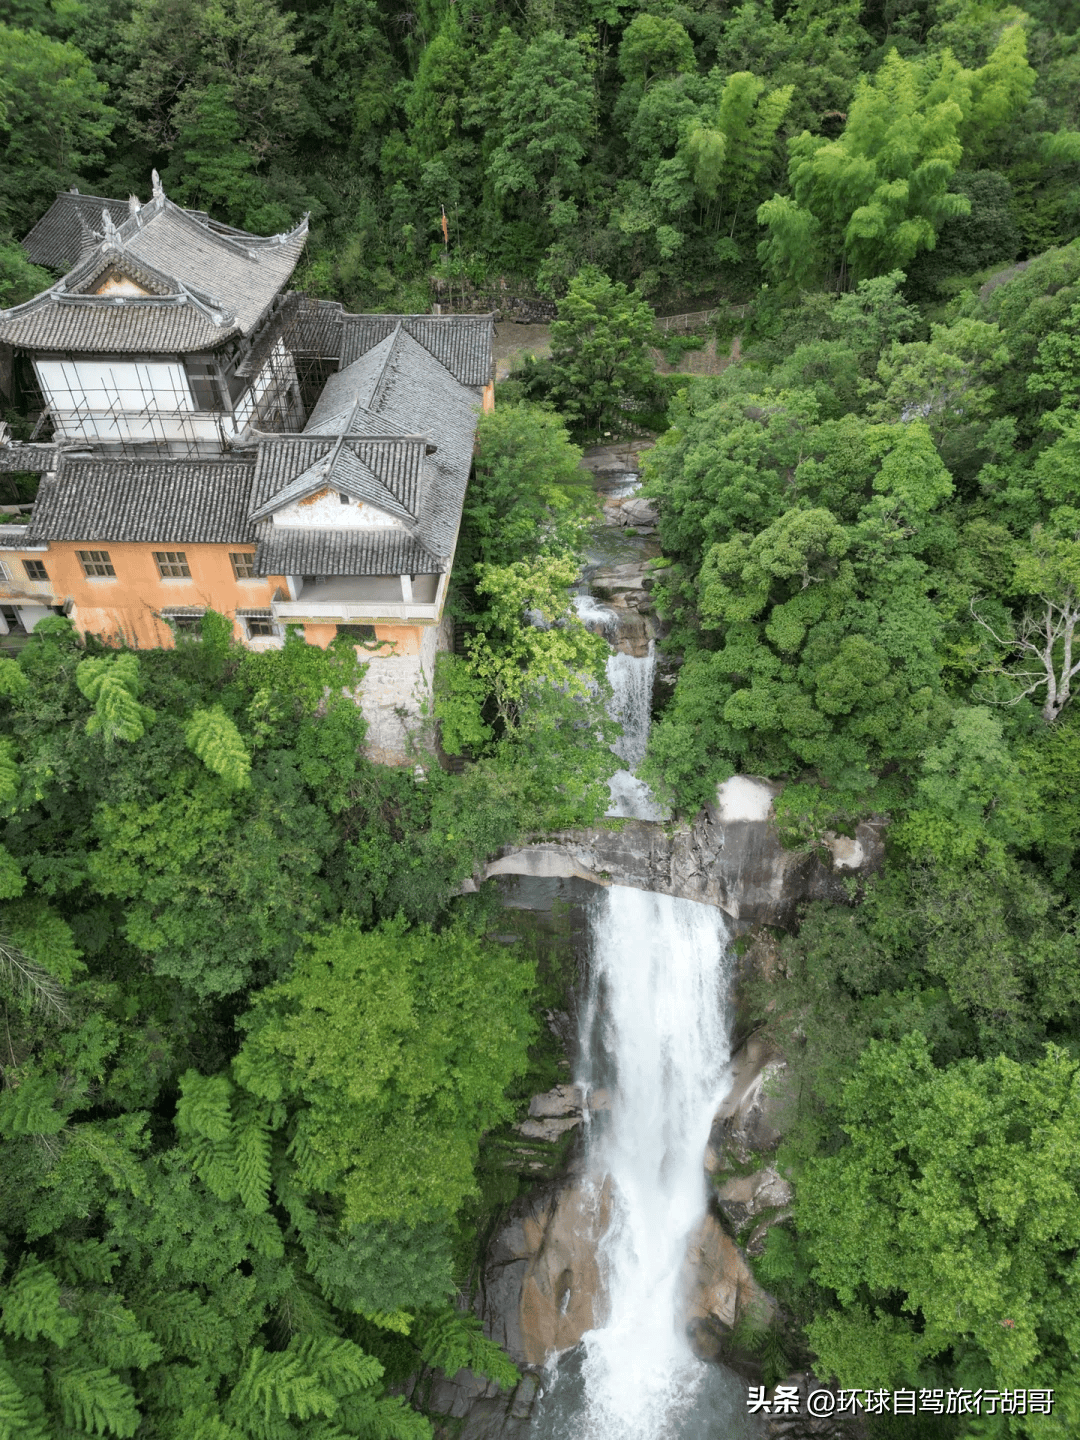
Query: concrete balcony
{"points": [[363, 599]]}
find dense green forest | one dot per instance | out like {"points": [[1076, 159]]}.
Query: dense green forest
{"points": [[871, 577]]}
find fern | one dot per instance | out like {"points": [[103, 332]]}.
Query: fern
{"points": [[452, 1340], [30, 1109], [341, 1365], [96, 1400], [90, 1261], [229, 1153], [187, 1327], [32, 1306], [387, 1417], [112, 686], [116, 1337], [204, 1107], [279, 1386], [22, 1416], [9, 773], [213, 737], [31, 983], [398, 1322], [252, 1155]]}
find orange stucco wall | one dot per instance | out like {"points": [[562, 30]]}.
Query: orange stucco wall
{"points": [[125, 607], [404, 638]]}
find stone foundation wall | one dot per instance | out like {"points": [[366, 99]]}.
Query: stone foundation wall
{"points": [[396, 697]]}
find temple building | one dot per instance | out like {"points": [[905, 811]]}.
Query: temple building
{"points": [[207, 440]]}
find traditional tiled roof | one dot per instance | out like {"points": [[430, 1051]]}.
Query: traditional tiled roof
{"points": [[344, 468], [207, 282], [164, 501], [398, 385], [28, 457], [460, 342], [14, 537], [108, 326], [63, 232], [341, 552]]}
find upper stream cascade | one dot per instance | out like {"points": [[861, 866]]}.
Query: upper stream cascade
{"points": [[653, 1033], [631, 678]]}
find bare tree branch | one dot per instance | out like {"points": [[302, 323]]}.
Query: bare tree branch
{"points": [[1040, 638]]}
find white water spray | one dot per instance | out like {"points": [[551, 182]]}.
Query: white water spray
{"points": [[654, 1031]]}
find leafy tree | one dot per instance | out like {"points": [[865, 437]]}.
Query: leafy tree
{"points": [[209, 78], [546, 120], [731, 149], [54, 121], [871, 200], [946, 1220], [213, 737], [113, 686], [598, 349], [528, 494], [654, 45], [396, 1046]]}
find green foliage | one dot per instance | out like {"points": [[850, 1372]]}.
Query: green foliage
{"points": [[529, 495], [954, 1194], [397, 1046], [872, 199], [598, 349], [214, 738], [113, 686], [54, 122]]}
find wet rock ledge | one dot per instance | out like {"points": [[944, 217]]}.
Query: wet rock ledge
{"points": [[729, 856]]}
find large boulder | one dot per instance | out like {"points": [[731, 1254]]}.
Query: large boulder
{"points": [[719, 1290], [750, 1120], [541, 1287]]}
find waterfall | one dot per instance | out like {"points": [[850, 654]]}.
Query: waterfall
{"points": [[653, 1032], [631, 679]]}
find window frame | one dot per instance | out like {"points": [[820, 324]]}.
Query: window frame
{"points": [[244, 555], [96, 564], [30, 565], [172, 564]]}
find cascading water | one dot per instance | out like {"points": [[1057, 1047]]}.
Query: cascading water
{"points": [[653, 1033], [631, 678]]}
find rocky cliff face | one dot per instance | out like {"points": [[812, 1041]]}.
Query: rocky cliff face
{"points": [[729, 856]]}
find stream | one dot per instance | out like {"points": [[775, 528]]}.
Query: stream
{"points": [[653, 1031]]}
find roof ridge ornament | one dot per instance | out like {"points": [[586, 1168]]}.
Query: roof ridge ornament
{"points": [[134, 205], [110, 234], [156, 185]]}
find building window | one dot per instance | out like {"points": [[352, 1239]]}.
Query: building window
{"points": [[186, 622], [172, 564], [35, 570], [5, 573], [96, 562], [357, 633], [259, 625], [243, 564], [343, 497]]}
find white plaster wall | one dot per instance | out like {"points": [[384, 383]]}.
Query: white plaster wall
{"points": [[396, 698], [326, 512]]}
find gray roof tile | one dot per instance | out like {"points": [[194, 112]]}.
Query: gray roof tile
{"points": [[168, 502], [460, 342], [341, 552], [209, 282], [28, 457], [136, 327]]}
